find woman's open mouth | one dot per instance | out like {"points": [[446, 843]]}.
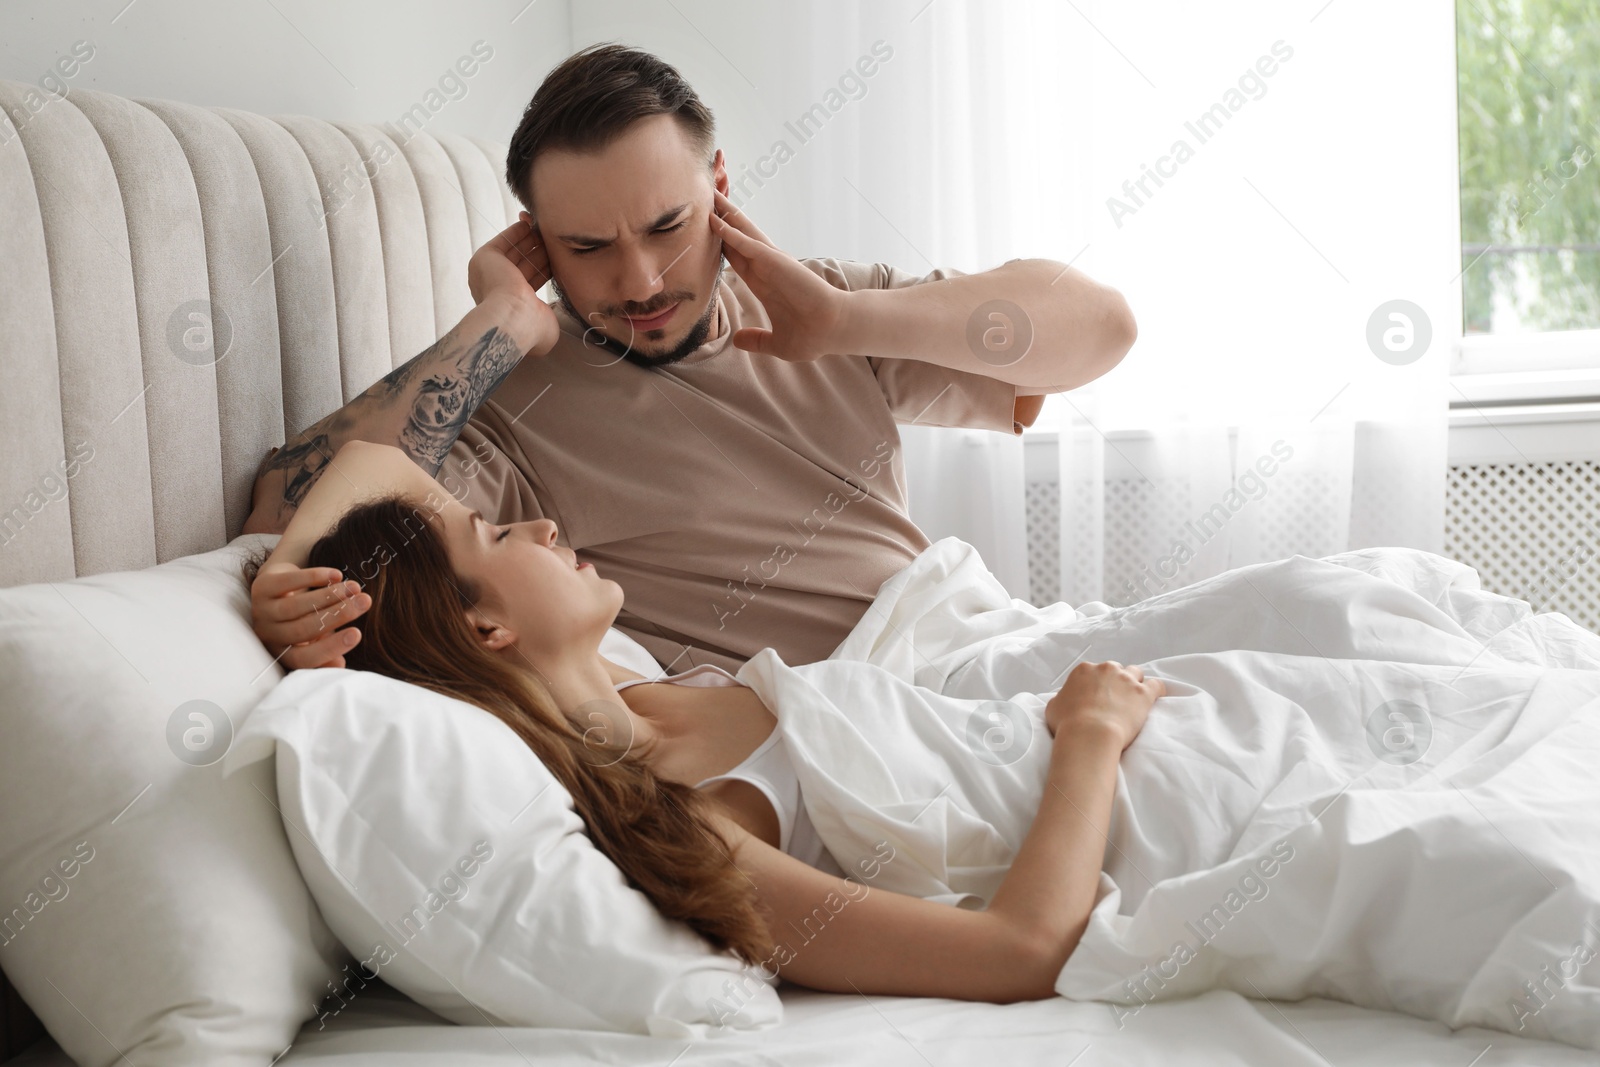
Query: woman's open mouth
{"points": [[655, 323]]}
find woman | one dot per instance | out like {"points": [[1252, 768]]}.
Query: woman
{"points": [[505, 618], [1371, 779]]}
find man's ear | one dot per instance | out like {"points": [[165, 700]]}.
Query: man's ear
{"points": [[719, 173]]}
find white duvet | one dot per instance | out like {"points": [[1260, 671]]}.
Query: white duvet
{"points": [[1370, 780]]}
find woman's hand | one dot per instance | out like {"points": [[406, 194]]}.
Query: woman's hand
{"points": [[1104, 695], [296, 612]]}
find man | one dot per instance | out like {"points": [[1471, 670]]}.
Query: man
{"points": [[723, 445]]}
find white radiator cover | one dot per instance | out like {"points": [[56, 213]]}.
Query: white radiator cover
{"points": [[1528, 524], [1529, 530]]}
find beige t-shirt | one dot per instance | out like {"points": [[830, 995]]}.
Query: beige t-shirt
{"points": [[741, 501]]}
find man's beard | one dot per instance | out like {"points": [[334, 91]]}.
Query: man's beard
{"points": [[697, 335]]}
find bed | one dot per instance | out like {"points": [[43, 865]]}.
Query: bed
{"points": [[1214, 1029], [146, 240]]}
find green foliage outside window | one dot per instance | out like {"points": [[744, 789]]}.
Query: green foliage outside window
{"points": [[1529, 111]]}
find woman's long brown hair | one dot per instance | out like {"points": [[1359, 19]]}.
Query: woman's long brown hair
{"points": [[656, 831]]}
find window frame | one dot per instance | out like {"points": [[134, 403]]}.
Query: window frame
{"points": [[1551, 367]]}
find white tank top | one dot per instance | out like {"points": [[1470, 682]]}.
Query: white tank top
{"points": [[768, 769]]}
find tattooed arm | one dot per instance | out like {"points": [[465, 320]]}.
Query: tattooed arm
{"points": [[422, 406]]}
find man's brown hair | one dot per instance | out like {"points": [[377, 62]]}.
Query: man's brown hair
{"points": [[592, 98]]}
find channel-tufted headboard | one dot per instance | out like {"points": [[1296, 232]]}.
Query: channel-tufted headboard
{"points": [[182, 287]]}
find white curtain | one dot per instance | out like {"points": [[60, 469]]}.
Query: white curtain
{"points": [[1253, 418], [1264, 274]]}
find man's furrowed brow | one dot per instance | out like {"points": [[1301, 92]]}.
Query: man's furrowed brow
{"points": [[659, 221]]}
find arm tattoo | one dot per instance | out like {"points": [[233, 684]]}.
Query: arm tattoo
{"points": [[442, 387], [448, 396], [301, 462]]}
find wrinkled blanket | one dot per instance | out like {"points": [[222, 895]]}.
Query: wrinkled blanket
{"points": [[1370, 779]]}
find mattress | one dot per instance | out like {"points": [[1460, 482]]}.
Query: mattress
{"points": [[380, 1027]]}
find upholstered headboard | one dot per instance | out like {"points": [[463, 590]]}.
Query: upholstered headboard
{"points": [[182, 288]]}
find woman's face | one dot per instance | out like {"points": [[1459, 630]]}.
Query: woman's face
{"points": [[532, 592]]}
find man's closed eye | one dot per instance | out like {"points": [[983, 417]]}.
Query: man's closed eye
{"points": [[663, 230]]}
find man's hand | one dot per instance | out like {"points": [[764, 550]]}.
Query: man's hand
{"points": [[296, 611], [514, 260], [514, 263], [808, 314]]}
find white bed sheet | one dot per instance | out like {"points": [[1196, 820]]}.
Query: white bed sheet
{"points": [[382, 1028]]}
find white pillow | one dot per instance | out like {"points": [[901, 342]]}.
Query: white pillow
{"points": [[624, 651], [148, 907], [450, 862]]}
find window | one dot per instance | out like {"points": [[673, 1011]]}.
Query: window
{"points": [[1529, 118]]}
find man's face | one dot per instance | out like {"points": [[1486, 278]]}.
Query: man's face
{"points": [[629, 236]]}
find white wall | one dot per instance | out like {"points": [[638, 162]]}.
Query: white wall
{"points": [[357, 60], [361, 61], [752, 65]]}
